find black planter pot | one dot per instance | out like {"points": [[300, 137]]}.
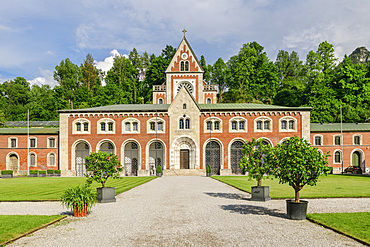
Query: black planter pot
{"points": [[34, 175], [6, 175], [260, 193], [208, 174], [106, 194], [296, 210], [42, 175], [159, 174]]}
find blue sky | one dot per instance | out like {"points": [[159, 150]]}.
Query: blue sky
{"points": [[35, 35]]}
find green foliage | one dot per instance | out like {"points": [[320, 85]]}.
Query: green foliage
{"points": [[50, 171], [34, 172], [219, 76], [298, 163], [256, 160], [159, 169], [102, 166], [42, 172], [57, 171], [208, 169], [79, 196], [6, 172]]}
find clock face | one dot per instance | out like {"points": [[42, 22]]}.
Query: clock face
{"points": [[184, 56]]}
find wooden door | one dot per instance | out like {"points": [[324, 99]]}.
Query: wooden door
{"points": [[184, 159]]}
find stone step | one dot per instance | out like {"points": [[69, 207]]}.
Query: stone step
{"points": [[184, 172]]}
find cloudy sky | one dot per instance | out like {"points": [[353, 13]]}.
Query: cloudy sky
{"points": [[35, 35]]}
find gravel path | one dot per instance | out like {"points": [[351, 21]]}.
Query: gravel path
{"points": [[186, 211]]}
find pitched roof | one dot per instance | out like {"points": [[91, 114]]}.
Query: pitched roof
{"points": [[33, 131], [249, 107], [121, 108], [31, 123], [335, 127]]}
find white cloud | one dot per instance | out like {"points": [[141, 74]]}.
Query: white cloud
{"points": [[107, 64], [46, 78]]}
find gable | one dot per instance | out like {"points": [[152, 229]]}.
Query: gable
{"points": [[184, 53], [184, 97]]}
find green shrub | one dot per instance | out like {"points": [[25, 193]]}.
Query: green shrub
{"points": [[50, 171], [57, 171], [34, 171], [6, 172], [208, 169], [159, 169], [42, 172]]}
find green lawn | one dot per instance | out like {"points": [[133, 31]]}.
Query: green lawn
{"points": [[327, 186], [353, 224], [51, 188], [13, 226]]}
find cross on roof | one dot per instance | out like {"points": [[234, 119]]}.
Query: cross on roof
{"points": [[184, 31]]}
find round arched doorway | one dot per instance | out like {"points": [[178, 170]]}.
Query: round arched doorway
{"points": [[156, 152], [356, 158], [213, 157], [82, 150], [236, 153], [131, 159]]}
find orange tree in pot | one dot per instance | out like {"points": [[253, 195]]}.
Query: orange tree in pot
{"points": [[256, 161], [100, 167], [298, 164], [80, 199]]}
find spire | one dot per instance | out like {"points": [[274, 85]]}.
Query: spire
{"points": [[184, 31]]}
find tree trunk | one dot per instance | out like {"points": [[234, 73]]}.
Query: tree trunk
{"points": [[259, 182], [296, 195]]}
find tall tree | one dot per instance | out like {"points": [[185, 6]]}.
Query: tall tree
{"points": [[90, 74], [17, 93], [155, 75], [168, 52], [69, 77], [207, 70], [219, 76]]}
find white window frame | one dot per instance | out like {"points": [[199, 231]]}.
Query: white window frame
{"points": [[130, 121], [29, 159], [288, 119], [29, 142], [212, 120], [156, 120], [81, 121], [238, 120], [55, 142], [263, 119], [341, 141], [322, 140], [353, 139], [48, 159], [107, 121], [341, 156], [10, 142]]}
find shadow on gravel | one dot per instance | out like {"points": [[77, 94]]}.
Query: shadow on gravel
{"points": [[70, 213], [250, 209], [227, 196]]}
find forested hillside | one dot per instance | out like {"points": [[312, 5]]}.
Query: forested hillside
{"points": [[250, 76]]}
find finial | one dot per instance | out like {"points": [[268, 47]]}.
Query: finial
{"points": [[184, 31]]}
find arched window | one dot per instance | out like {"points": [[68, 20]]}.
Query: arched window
{"points": [[32, 159], [78, 127], [187, 123], [186, 65], [182, 66], [102, 126], [209, 125], [51, 159], [209, 101], [213, 157], [283, 125], [217, 125], [181, 124], [131, 159], [337, 157], [160, 101], [156, 154], [337, 140], [236, 153], [81, 151], [107, 147], [81, 126]]}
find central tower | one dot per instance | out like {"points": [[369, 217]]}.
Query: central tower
{"points": [[184, 70]]}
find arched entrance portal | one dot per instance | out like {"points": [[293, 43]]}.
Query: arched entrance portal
{"points": [[82, 150], [131, 159], [356, 158], [155, 157], [213, 157], [14, 163], [184, 154], [107, 147], [235, 155]]}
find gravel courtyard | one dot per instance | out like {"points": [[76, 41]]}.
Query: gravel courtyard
{"points": [[186, 211]]}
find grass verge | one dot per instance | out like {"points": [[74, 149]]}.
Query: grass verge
{"points": [[330, 186], [354, 225], [51, 188], [15, 226]]}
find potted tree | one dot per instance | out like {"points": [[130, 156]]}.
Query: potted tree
{"points": [[34, 173], [7, 174], [159, 171], [298, 164], [256, 161], [100, 167], [80, 199], [208, 170]]}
